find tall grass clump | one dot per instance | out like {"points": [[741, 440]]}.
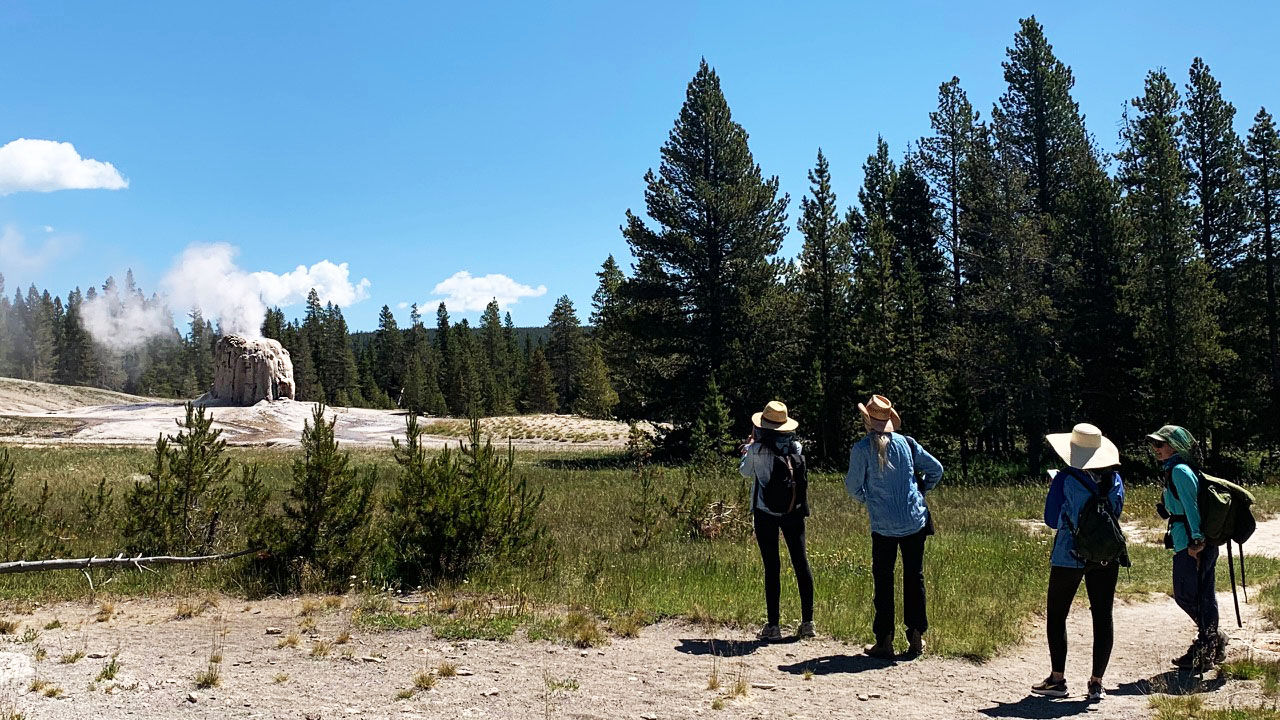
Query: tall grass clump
{"points": [[453, 513]]}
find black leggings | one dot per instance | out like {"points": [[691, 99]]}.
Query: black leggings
{"points": [[1100, 583], [792, 527]]}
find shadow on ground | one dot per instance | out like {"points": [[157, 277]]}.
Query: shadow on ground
{"points": [[1174, 682], [833, 664], [724, 648]]}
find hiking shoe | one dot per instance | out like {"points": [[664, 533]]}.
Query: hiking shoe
{"points": [[882, 650], [770, 633], [915, 643], [1188, 658], [806, 630], [1051, 688], [1220, 649], [1096, 691]]}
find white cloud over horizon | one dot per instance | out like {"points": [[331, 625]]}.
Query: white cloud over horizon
{"points": [[48, 165], [463, 292]]}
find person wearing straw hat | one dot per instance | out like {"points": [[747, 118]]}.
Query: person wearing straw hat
{"points": [[1194, 561], [883, 469], [1091, 460], [773, 458]]}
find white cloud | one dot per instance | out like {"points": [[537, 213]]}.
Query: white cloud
{"points": [[47, 165], [462, 292], [48, 228], [18, 259]]}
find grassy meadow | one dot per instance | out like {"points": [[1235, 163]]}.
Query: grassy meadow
{"points": [[622, 551]]}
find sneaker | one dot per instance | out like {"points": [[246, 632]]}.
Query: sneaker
{"points": [[882, 650], [1096, 691], [770, 633], [1051, 688], [806, 630], [915, 643]]}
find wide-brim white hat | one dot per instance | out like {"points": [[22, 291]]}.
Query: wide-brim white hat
{"points": [[1085, 448]]}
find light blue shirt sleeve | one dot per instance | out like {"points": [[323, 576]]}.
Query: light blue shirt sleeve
{"points": [[1188, 493], [855, 481], [928, 466]]}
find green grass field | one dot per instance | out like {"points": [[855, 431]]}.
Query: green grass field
{"points": [[985, 572]]}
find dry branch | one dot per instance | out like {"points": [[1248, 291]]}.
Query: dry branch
{"points": [[140, 562]]}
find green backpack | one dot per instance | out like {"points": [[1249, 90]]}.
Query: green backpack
{"points": [[1225, 513]]}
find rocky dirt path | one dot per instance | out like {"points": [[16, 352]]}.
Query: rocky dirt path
{"points": [[663, 673]]}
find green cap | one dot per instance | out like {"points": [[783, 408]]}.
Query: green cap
{"points": [[1177, 437]]}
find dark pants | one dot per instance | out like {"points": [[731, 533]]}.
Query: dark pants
{"points": [[1193, 589], [1100, 584], [884, 556], [792, 527]]}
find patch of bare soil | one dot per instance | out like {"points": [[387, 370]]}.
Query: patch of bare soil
{"points": [[273, 664], [41, 413]]}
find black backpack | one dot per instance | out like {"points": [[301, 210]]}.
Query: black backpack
{"points": [[787, 490], [1097, 534]]}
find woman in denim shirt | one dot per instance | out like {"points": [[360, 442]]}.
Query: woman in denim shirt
{"points": [[883, 469], [1091, 459]]}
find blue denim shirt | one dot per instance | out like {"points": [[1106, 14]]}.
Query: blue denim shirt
{"points": [[1065, 500], [893, 496]]}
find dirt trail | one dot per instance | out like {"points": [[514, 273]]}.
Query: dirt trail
{"points": [[661, 674]]}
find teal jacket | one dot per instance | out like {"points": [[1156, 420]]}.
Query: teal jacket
{"points": [[1185, 503]]}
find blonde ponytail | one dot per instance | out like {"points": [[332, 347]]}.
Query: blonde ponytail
{"points": [[881, 442]]}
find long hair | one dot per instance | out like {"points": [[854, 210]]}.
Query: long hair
{"points": [[880, 440]]}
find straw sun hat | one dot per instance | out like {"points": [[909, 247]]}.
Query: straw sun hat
{"points": [[774, 417], [879, 415], [1084, 448]]}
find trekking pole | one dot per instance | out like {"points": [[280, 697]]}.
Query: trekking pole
{"points": [[1244, 585], [1231, 569]]}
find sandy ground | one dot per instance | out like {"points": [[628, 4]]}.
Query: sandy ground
{"points": [[663, 673], [41, 414]]}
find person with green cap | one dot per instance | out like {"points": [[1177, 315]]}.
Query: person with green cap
{"points": [[1194, 561]]}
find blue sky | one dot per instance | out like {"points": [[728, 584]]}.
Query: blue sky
{"points": [[414, 141]]}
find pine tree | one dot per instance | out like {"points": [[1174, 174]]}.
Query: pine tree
{"points": [[539, 394], [1214, 154], [942, 158], [388, 355], [596, 396], [497, 366], [1042, 132], [326, 513], [825, 282], [273, 324], [1170, 297], [719, 224], [564, 351], [1263, 172], [710, 437]]}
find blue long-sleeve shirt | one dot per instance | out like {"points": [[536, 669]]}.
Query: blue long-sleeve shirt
{"points": [[1067, 496], [892, 494], [757, 464], [1186, 502]]}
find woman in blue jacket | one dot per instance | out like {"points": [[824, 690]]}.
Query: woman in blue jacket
{"points": [[883, 469], [1091, 459]]}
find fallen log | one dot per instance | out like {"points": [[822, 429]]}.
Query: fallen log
{"points": [[140, 562]]}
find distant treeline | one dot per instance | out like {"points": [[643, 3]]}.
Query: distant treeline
{"points": [[451, 368]]}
